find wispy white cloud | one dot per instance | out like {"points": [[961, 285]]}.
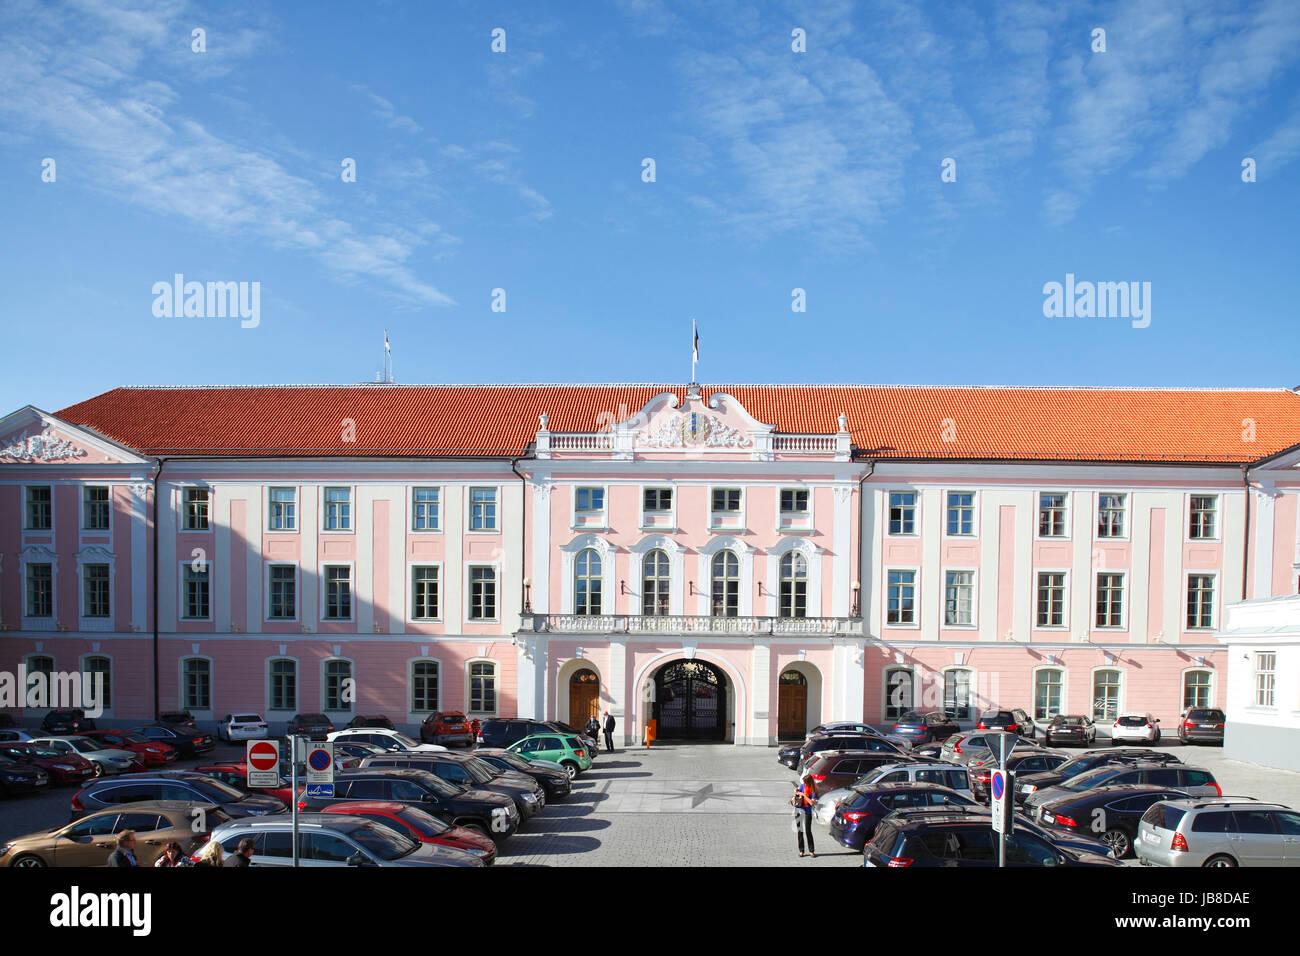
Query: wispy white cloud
{"points": [[385, 111]]}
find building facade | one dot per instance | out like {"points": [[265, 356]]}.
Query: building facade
{"points": [[736, 563]]}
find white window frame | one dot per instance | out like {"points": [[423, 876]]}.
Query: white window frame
{"points": [[498, 503], [1063, 706], [595, 520], [915, 625], [89, 685], [1092, 690], [671, 513], [885, 690], [1218, 517], [410, 593], [974, 598], [496, 687], [801, 522], [324, 685], [916, 513], [972, 689], [1128, 516], [53, 527], [1068, 508], [325, 506], [1214, 604], [1125, 596], [183, 567], [324, 591], [1182, 686], [101, 561], [53, 616], [411, 503], [181, 689], [715, 524], [182, 511], [1256, 672], [297, 592], [297, 685], [974, 518], [704, 574], [94, 531], [410, 685], [676, 571], [468, 586], [809, 606], [1065, 606], [270, 505]]}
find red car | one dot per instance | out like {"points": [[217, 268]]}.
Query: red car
{"points": [[419, 825], [62, 768], [152, 753]]}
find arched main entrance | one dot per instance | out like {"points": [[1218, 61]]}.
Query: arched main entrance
{"points": [[584, 697], [792, 705], [691, 701]]}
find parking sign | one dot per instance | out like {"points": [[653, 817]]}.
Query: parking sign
{"points": [[998, 787], [320, 764]]}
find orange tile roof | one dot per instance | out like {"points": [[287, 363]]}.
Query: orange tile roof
{"points": [[1093, 424]]}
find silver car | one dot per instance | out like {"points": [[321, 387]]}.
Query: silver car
{"points": [[945, 774], [334, 839], [1220, 832], [107, 760]]}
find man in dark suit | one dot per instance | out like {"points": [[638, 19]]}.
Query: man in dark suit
{"points": [[609, 731], [243, 852], [124, 855]]}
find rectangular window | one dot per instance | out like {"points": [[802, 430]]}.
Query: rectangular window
{"points": [[956, 694], [38, 511], [1047, 694], [959, 598], [1110, 515], [794, 501], [1051, 599], [196, 509], [40, 590], [482, 593], [1200, 601], [95, 580], [1196, 689], [483, 688], [338, 509], [282, 511], [338, 593], [902, 512], [338, 685], [902, 598], [94, 508], [587, 501], [424, 509], [961, 512], [424, 594], [195, 597], [283, 593], [1051, 515], [284, 685], [424, 686], [1203, 524], [198, 684], [657, 500], [482, 509], [1110, 600], [726, 501], [1265, 678]]}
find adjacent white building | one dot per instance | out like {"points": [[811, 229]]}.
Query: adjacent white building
{"points": [[1262, 638]]}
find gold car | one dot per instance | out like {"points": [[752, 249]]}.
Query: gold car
{"points": [[90, 840]]}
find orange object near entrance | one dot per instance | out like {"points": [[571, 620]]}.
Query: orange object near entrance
{"points": [[651, 728]]}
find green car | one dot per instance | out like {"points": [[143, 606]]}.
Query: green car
{"points": [[568, 752]]}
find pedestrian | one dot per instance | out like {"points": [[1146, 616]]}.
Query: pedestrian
{"points": [[211, 855], [804, 797], [593, 730], [243, 853], [172, 855], [609, 731], [474, 727], [124, 855]]}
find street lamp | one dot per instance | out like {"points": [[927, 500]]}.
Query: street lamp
{"points": [[528, 604], [856, 609]]}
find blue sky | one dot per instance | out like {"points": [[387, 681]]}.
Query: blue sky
{"points": [[522, 170]]}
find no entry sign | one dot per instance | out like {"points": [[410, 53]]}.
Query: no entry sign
{"points": [[262, 757]]}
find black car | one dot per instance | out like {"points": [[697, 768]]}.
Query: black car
{"points": [[373, 720], [504, 731], [593, 745], [492, 814], [1195, 781], [1089, 760], [7, 722], [67, 720], [858, 814], [556, 783], [466, 770], [16, 778], [1013, 721], [182, 717], [1067, 729], [187, 741], [957, 839], [1084, 843], [817, 744], [923, 727], [1202, 725], [311, 726], [1025, 762], [1112, 813], [184, 785]]}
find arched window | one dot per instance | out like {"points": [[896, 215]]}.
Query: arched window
{"points": [[283, 673], [1105, 695], [898, 692], [339, 686], [42, 692], [483, 687], [424, 686], [794, 585], [655, 582], [1047, 693], [196, 683], [94, 665], [956, 694], [586, 582], [1196, 689], [725, 594]]}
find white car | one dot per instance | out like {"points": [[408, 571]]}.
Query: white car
{"points": [[234, 727], [383, 737], [1135, 729]]}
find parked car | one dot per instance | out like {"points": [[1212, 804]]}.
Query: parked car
{"points": [[370, 720], [18, 736], [235, 774], [553, 778], [466, 770], [839, 769], [232, 727], [419, 825], [1070, 729], [564, 750], [1226, 832], [842, 726], [959, 747], [1196, 781], [897, 770], [1061, 838], [187, 741], [61, 767], [182, 718], [383, 737], [922, 727], [67, 720], [184, 785], [862, 742], [355, 750], [311, 726], [332, 839], [7, 722], [90, 840], [18, 778], [107, 760], [447, 727], [152, 753], [957, 839], [1112, 813], [490, 814], [1091, 760], [1020, 761], [1134, 729], [931, 751], [1013, 721], [560, 727], [1202, 725], [859, 813]]}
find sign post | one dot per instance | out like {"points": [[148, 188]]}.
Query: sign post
{"points": [[1002, 787], [293, 790], [262, 758], [320, 770]]}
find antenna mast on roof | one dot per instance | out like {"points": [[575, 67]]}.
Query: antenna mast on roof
{"points": [[386, 375]]}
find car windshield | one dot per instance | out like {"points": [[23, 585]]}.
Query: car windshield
{"points": [[405, 741], [512, 760], [1132, 721], [1085, 781], [1077, 765], [912, 717], [41, 752], [312, 719], [85, 745], [379, 841], [218, 791], [134, 738], [426, 824], [1068, 721], [481, 770], [248, 718]]}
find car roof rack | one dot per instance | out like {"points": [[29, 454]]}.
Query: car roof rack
{"points": [[1220, 801]]}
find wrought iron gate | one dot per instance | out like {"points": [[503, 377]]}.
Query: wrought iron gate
{"points": [[691, 701]]}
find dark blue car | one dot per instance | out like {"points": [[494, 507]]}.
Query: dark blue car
{"points": [[858, 814], [923, 727]]}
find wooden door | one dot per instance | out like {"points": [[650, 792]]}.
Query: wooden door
{"points": [[584, 699], [792, 705]]}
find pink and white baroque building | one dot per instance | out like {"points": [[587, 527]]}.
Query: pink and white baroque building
{"points": [[736, 563]]}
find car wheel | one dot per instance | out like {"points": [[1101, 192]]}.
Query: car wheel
{"points": [[570, 768], [1118, 841], [477, 827], [1220, 860], [99, 769], [30, 861]]}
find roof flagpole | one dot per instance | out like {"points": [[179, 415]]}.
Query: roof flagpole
{"points": [[695, 349]]}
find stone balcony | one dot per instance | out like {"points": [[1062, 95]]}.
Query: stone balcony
{"points": [[676, 624]]}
